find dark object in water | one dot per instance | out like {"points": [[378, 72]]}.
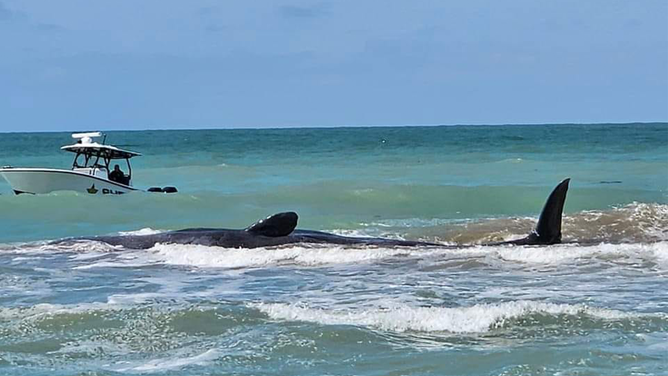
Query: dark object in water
{"points": [[279, 229], [548, 229], [162, 190], [610, 182]]}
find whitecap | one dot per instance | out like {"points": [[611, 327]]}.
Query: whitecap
{"points": [[656, 252], [478, 318], [217, 257]]}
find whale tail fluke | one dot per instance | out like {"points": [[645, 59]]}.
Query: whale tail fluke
{"points": [[548, 229]]}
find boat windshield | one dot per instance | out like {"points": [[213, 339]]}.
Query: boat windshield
{"points": [[94, 159], [83, 160]]}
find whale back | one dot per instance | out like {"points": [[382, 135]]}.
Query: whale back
{"points": [[281, 224]]}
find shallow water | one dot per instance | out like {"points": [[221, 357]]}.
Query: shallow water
{"points": [[596, 305]]}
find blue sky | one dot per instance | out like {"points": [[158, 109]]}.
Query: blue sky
{"points": [[85, 64]]}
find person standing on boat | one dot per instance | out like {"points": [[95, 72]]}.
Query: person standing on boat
{"points": [[117, 175]]}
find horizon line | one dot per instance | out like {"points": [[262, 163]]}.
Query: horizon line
{"points": [[338, 127]]}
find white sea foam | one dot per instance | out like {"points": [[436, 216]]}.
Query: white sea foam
{"points": [[172, 363], [117, 302], [143, 231], [204, 256], [660, 251], [652, 218], [46, 309], [657, 252], [474, 319], [78, 246], [124, 300], [322, 255], [635, 222], [92, 254], [113, 303]]}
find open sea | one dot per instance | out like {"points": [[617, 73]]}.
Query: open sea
{"points": [[572, 309]]}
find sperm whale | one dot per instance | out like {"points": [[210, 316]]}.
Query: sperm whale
{"points": [[280, 229]]}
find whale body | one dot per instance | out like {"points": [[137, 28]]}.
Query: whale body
{"points": [[280, 229]]}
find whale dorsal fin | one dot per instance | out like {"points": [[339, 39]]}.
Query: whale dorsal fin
{"points": [[281, 224]]}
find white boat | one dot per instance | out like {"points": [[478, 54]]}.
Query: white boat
{"points": [[90, 172]]}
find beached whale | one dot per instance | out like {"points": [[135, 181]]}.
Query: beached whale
{"points": [[279, 229]]}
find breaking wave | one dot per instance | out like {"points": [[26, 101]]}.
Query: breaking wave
{"points": [[204, 256], [633, 232], [633, 223], [92, 255], [216, 257], [479, 318]]}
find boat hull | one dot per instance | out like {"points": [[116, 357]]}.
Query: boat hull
{"points": [[43, 180]]}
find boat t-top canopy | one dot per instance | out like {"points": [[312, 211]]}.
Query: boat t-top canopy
{"points": [[86, 146]]}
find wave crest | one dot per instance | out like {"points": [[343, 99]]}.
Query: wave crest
{"points": [[632, 223], [306, 255], [479, 318]]}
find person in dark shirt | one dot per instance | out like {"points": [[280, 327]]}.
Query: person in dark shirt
{"points": [[117, 175]]}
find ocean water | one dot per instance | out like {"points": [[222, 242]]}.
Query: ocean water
{"points": [[596, 305]]}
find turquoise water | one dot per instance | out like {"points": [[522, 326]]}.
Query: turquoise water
{"points": [[90, 308]]}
